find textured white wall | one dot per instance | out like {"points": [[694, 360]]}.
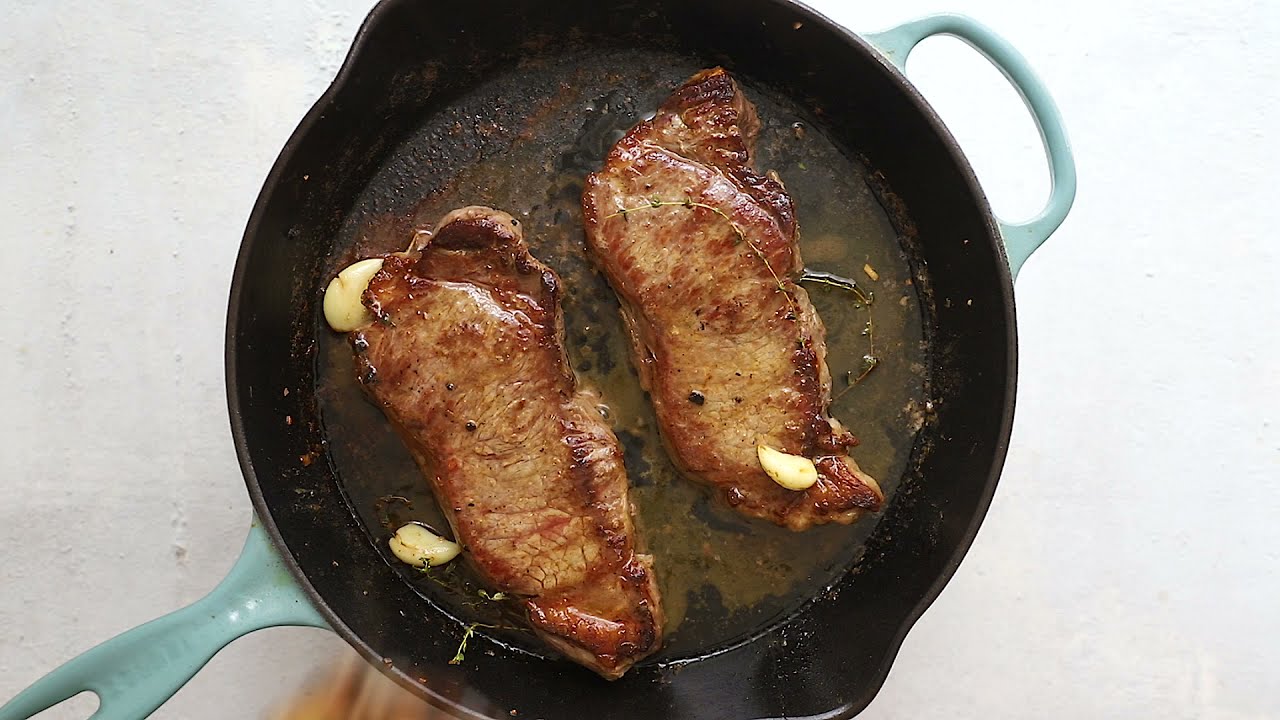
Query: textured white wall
{"points": [[1129, 565]]}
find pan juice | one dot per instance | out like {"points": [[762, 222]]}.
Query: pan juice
{"points": [[723, 577]]}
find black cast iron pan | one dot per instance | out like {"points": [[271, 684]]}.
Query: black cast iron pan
{"points": [[509, 103]]}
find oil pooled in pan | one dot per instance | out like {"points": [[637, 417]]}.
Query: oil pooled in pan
{"points": [[523, 141]]}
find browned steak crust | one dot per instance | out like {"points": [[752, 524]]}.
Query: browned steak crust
{"points": [[703, 252], [467, 360]]}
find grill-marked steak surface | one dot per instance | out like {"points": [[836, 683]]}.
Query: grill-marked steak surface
{"points": [[467, 361], [703, 252]]}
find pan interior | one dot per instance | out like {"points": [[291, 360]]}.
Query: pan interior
{"points": [[522, 139]]}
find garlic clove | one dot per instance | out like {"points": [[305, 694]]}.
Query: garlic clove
{"points": [[344, 309], [792, 472], [415, 545]]}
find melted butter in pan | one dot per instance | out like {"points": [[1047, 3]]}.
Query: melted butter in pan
{"points": [[723, 576]]}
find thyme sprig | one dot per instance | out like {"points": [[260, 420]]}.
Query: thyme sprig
{"points": [[690, 203], [470, 630], [865, 299], [461, 654]]}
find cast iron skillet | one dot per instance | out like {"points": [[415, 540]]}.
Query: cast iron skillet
{"points": [[413, 59]]}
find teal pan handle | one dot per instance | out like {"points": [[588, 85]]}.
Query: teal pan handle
{"points": [[135, 672], [1020, 239]]}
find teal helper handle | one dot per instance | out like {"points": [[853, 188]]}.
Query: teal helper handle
{"points": [[135, 672], [1020, 239]]}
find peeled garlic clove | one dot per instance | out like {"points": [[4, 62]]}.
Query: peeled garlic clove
{"points": [[343, 309], [415, 545], [790, 471]]}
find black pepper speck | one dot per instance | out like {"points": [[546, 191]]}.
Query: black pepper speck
{"points": [[697, 398]]}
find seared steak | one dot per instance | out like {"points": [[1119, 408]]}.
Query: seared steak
{"points": [[703, 253], [467, 360]]}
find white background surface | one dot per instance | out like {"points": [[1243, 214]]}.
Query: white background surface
{"points": [[1129, 566]]}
